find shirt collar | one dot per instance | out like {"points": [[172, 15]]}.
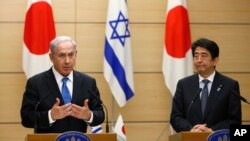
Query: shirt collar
{"points": [[210, 78], [59, 77]]}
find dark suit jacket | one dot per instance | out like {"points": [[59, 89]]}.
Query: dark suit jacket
{"points": [[42, 91], [223, 106]]}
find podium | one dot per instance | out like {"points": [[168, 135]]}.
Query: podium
{"points": [[52, 137], [189, 136]]}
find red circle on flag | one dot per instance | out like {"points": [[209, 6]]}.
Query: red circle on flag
{"points": [[123, 130], [39, 28], [177, 35]]}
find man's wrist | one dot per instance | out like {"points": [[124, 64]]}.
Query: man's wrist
{"points": [[91, 118], [50, 118]]}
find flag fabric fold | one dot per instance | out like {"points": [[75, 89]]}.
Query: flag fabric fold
{"points": [[39, 30], [119, 129], [118, 70], [177, 55]]}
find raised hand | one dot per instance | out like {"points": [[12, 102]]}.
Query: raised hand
{"points": [[81, 112], [59, 112]]}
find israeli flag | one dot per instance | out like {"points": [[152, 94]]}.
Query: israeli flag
{"points": [[118, 70], [96, 129]]}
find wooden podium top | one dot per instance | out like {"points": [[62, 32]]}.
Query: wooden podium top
{"points": [[52, 137], [190, 136]]}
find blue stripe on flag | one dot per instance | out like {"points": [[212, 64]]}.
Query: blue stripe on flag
{"points": [[118, 69], [96, 129]]}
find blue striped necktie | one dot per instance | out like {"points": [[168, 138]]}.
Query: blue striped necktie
{"points": [[65, 91], [204, 96]]}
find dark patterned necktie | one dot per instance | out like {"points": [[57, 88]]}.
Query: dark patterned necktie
{"points": [[204, 96], [65, 91]]}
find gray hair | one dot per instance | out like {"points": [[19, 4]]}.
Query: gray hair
{"points": [[60, 39]]}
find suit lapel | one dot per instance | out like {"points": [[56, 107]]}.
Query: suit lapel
{"points": [[52, 84], [76, 87]]}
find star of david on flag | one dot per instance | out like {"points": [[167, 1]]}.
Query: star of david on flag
{"points": [[121, 22], [118, 70]]}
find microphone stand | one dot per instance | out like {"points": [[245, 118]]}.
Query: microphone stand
{"points": [[191, 104], [106, 111], [35, 120], [107, 121]]}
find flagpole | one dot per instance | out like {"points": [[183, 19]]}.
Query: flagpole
{"points": [[113, 113]]}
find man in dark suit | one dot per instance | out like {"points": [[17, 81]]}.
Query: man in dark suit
{"points": [[43, 106], [219, 109]]}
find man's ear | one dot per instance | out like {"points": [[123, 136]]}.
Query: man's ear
{"points": [[51, 57], [216, 61], [76, 52]]}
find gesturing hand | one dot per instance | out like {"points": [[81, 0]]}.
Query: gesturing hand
{"points": [[59, 112], [81, 112]]}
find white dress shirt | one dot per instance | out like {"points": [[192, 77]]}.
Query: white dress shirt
{"points": [[209, 85], [69, 84]]}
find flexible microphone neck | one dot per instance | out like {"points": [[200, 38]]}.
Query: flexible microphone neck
{"points": [[237, 95], [107, 121], [244, 100], [36, 105], [35, 120], [240, 97], [106, 111], [196, 96]]}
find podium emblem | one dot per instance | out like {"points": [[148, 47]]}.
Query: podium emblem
{"points": [[72, 136], [219, 135]]}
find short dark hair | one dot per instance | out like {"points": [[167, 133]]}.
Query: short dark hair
{"points": [[210, 45]]}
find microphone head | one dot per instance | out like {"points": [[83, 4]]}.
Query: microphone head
{"points": [[200, 89], [197, 94]]}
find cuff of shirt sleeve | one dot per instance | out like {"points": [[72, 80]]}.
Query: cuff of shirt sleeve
{"points": [[91, 118], [50, 118]]}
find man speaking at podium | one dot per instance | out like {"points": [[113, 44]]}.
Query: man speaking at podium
{"points": [[61, 99], [206, 101]]}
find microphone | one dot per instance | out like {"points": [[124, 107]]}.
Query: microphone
{"points": [[244, 100], [36, 105], [106, 111], [236, 94], [35, 122], [240, 97], [197, 95]]}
